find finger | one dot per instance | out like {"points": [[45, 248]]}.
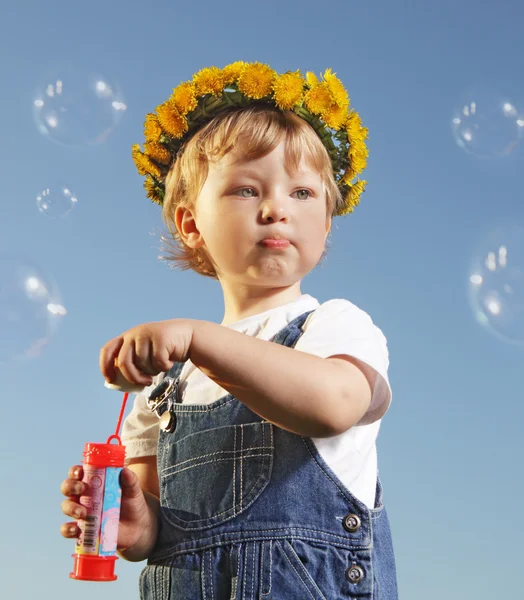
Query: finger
{"points": [[161, 360], [108, 353], [70, 530], [76, 472], [72, 487], [73, 509], [144, 356], [126, 364]]}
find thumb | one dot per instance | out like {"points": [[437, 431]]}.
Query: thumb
{"points": [[130, 483]]}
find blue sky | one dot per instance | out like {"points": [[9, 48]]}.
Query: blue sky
{"points": [[450, 447]]}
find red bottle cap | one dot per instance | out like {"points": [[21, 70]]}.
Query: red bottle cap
{"points": [[94, 568], [104, 455]]}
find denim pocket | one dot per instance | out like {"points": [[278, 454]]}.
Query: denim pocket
{"points": [[214, 475], [289, 576]]}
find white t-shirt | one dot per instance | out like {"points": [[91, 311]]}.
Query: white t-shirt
{"points": [[336, 327]]}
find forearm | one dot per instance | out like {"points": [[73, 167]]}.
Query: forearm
{"points": [[295, 390], [143, 548]]}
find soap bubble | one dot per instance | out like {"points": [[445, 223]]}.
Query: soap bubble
{"points": [[56, 201], [487, 124], [77, 107], [496, 283], [30, 310]]}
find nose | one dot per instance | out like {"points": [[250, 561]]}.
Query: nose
{"points": [[274, 210]]}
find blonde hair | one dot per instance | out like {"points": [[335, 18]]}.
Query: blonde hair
{"points": [[254, 132]]}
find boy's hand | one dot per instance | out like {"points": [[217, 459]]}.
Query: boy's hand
{"points": [[135, 519], [147, 350]]}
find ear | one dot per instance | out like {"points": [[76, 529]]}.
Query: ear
{"points": [[187, 227]]}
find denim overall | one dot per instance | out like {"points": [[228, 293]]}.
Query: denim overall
{"points": [[250, 511]]}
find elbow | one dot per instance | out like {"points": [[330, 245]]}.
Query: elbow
{"points": [[347, 411]]}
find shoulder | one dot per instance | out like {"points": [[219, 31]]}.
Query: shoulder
{"points": [[340, 327], [342, 312]]}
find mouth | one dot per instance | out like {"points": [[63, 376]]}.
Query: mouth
{"points": [[274, 243]]}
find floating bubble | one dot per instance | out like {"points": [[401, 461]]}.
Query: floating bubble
{"points": [[30, 310], [496, 283], [487, 124], [77, 107], [56, 201]]}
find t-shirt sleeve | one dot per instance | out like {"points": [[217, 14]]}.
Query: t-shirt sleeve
{"points": [[339, 327], [141, 426]]}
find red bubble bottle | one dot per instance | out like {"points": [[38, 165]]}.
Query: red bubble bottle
{"points": [[95, 551]]}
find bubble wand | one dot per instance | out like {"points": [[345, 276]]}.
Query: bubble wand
{"points": [[95, 550]]}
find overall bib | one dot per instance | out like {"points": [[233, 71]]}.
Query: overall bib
{"points": [[250, 511]]}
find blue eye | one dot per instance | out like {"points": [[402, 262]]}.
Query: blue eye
{"points": [[307, 191], [240, 191]]}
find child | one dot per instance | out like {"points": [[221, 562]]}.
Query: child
{"points": [[253, 468]]}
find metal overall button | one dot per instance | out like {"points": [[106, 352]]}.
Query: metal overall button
{"points": [[161, 396], [354, 574], [351, 523], [168, 419]]}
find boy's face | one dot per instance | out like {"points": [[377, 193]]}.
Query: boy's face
{"points": [[241, 204]]}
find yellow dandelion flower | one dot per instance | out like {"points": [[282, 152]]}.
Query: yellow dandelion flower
{"points": [[352, 199], [288, 89], [152, 191], [231, 73], [157, 152], [357, 148], [208, 81], [184, 97], [337, 90], [357, 164], [318, 99], [152, 128], [171, 120], [256, 80], [335, 117], [356, 191], [143, 164], [311, 79], [354, 127]]}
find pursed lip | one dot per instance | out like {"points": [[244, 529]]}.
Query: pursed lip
{"points": [[275, 237]]}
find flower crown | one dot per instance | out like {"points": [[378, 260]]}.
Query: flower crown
{"points": [[323, 104]]}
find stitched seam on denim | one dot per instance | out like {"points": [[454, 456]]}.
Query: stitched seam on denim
{"points": [[308, 575], [290, 535], [335, 483], [253, 574], [371, 560], [252, 491], [211, 575], [207, 462], [255, 425], [244, 578], [298, 574], [168, 581], [203, 577], [270, 565], [342, 492], [172, 554], [181, 408], [262, 581], [235, 477], [238, 567], [241, 463], [232, 452]]}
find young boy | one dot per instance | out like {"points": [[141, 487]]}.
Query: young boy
{"points": [[253, 469]]}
